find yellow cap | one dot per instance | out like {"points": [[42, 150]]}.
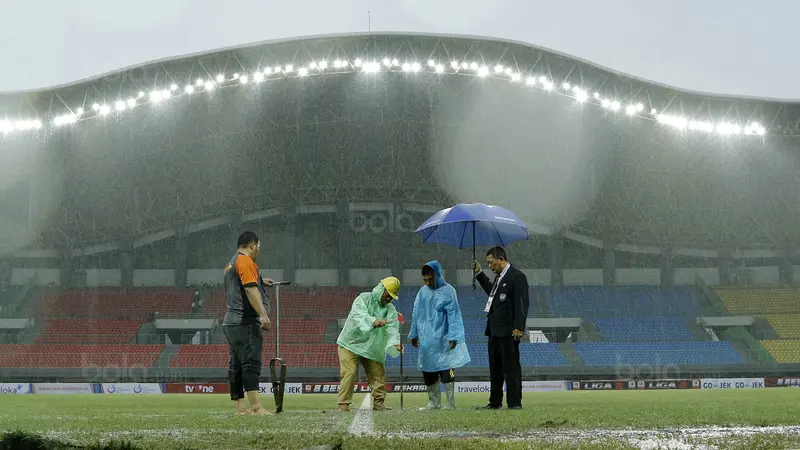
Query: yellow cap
{"points": [[392, 286]]}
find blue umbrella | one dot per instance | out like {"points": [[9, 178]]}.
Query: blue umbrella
{"points": [[472, 224]]}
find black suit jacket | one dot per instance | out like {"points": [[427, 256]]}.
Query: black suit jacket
{"points": [[509, 309]]}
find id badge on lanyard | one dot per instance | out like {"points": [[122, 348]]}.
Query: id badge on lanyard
{"points": [[491, 296]]}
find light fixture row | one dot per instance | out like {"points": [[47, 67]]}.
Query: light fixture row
{"points": [[542, 82]]}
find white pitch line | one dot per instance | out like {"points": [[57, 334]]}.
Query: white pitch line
{"points": [[362, 423]]}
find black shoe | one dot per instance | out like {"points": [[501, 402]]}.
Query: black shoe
{"points": [[488, 407], [515, 407]]}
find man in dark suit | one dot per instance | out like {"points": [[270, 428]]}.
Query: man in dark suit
{"points": [[507, 311]]}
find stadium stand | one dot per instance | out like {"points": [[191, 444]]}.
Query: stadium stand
{"points": [[786, 326], [784, 351], [329, 302], [139, 304], [89, 331], [87, 355], [295, 355], [624, 301], [760, 301], [639, 329], [531, 355], [779, 307], [640, 325], [657, 353]]}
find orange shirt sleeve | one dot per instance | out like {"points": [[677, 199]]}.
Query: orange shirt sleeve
{"points": [[247, 270]]}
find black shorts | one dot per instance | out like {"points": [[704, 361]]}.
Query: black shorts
{"points": [[245, 343], [447, 376]]}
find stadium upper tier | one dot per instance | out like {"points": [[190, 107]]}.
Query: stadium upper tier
{"points": [[296, 127], [158, 81]]}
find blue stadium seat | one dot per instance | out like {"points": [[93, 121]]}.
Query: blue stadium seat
{"points": [[641, 329], [624, 301], [657, 353], [471, 302], [531, 355]]}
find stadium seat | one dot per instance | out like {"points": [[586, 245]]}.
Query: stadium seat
{"points": [[137, 304], [657, 353], [623, 301], [760, 301], [785, 325], [642, 329], [784, 352], [298, 303], [295, 355], [531, 355], [79, 356], [89, 331]]}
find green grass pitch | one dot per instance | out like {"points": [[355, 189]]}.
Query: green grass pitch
{"points": [[724, 419]]}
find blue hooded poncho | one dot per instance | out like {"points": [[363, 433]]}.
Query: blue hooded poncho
{"points": [[435, 321]]}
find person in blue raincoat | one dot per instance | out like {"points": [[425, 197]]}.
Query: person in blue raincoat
{"points": [[437, 329]]}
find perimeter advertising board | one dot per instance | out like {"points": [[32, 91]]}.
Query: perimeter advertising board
{"points": [[288, 388], [731, 383], [64, 388], [782, 382], [197, 388], [132, 388], [15, 388]]}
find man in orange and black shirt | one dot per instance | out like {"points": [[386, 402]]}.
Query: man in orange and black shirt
{"points": [[244, 323]]}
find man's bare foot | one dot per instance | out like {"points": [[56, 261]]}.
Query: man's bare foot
{"points": [[260, 412], [344, 408], [241, 408]]}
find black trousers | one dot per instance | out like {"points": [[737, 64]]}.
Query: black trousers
{"points": [[244, 364], [431, 378], [504, 366]]}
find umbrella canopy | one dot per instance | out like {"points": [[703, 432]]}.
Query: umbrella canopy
{"points": [[472, 224]]}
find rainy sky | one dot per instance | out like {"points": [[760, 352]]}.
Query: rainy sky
{"points": [[718, 46]]}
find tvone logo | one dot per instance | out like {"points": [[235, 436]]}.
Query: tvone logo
{"points": [[199, 389]]}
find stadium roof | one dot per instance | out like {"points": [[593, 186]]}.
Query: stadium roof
{"points": [[442, 55]]}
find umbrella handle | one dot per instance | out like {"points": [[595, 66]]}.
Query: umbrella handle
{"points": [[474, 258]]}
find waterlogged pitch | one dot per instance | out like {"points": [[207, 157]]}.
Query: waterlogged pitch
{"points": [[724, 419]]}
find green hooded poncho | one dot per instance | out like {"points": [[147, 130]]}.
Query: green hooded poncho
{"points": [[360, 337]]}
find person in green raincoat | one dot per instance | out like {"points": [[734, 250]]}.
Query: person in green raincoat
{"points": [[370, 333]]}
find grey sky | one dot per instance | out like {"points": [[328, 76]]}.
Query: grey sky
{"points": [[720, 46]]}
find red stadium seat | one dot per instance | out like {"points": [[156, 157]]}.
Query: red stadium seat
{"points": [[79, 356], [113, 303], [88, 331], [328, 302], [295, 355]]}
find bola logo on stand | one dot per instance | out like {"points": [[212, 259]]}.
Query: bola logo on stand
{"points": [[381, 222]]}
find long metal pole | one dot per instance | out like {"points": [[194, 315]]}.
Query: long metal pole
{"points": [[402, 378], [278, 321], [278, 285]]}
